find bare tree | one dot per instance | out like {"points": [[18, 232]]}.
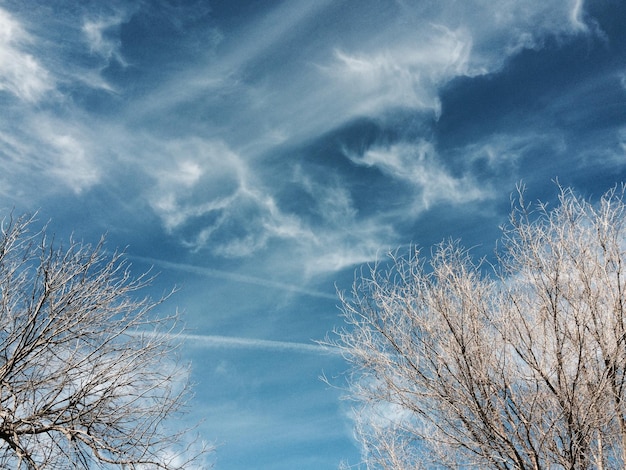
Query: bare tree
{"points": [[87, 372], [522, 365]]}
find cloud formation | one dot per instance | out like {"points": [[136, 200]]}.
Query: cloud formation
{"points": [[418, 166], [209, 191], [238, 278], [258, 152], [21, 74]]}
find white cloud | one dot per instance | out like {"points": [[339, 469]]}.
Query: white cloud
{"points": [[47, 57], [21, 74], [576, 16], [341, 236], [206, 190], [99, 42], [334, 202], [418, 166], [504, 28], [340, 75], [65, 152], [73, 165], [212, 198], [49, 153], [341, 251], [101, 36], [178, 169], [405, 63], [405, 74], [504, 151]]}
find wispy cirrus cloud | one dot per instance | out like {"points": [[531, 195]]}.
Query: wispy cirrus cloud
{"points": [[96, 32], [194, 178], [58, 57], [21, 73], [39, 148], [208, 194], [406, 75], [238, 278], [498, 33], [101, 35], [69, 153], [418, 166], [50, 141], [208, 191]]}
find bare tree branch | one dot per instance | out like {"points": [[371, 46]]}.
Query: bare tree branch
{"points": [[88, 373], [521, 366]]}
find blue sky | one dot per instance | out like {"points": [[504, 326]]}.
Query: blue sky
{"points": [[257, 153]]}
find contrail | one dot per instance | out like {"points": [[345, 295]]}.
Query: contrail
{"points": [[213, 341], [235, 277]]}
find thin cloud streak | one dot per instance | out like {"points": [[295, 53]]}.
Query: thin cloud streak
{"points": [[235, 277], [215, 341], [242, 47]]}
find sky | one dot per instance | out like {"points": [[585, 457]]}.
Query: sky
{"points": [[258, 154]]}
